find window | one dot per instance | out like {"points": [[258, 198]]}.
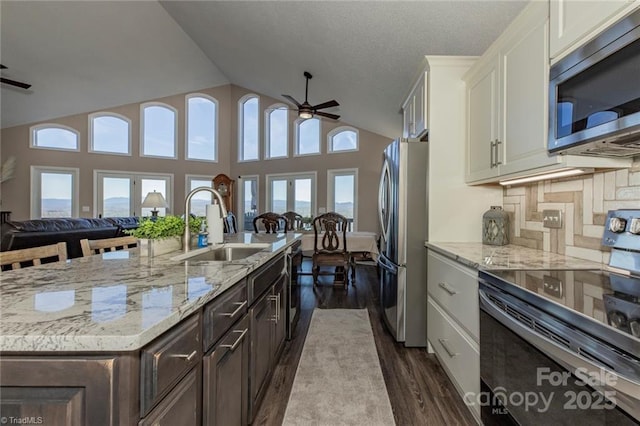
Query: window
{"points": [[158, 130], [249, 205], [54, 192], [249, 128], [308, 136], [200, 199], [109, 133], [122, 193], [55, 136], [342, 192], [202, 128], [277, 131], [342, 139], [292, 192]]}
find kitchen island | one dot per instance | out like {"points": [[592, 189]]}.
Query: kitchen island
{"points": [[117, 338]]}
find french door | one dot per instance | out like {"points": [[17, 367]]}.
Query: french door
{"points": [[121, 193], [292, 192]]}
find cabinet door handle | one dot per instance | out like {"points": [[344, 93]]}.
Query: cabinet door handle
{"points": [[451, 353], [277, 308], [238, 309], [498, 162], [238, 340], [189, 357], [448, 289], [274, 298], [491, 151]]}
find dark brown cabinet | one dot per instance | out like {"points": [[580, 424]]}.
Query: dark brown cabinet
{"points": [[226, 378], [268, 331]]}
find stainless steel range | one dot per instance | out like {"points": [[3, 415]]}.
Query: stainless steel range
{"points": [[563, 346]]}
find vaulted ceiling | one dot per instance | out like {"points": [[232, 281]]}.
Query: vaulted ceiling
{"points": [[85, 56]]}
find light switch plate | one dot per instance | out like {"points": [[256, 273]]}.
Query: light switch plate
{"points": [[552, 218]]}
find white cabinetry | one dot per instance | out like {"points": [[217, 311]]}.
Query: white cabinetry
{"points": [[453, 322], [414, 109], [507, 106], [574, 22]]}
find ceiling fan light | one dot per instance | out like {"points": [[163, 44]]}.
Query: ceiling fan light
{"points": [[305, 114]]}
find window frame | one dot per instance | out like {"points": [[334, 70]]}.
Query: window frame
{"points": [[331, 202], [241, 196], [33, 138], [216, 128], [90, 146], [337, 131], [313, 175], [35, 207], [267, 130], [297, 123], [145, 105], [240, 132]]}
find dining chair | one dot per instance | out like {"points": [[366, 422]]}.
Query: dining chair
{"points": [[271, 222], [33, 256], [230, 224], [91, 247], [294, 221], [330, 247]]}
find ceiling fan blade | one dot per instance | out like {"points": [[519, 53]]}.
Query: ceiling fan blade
{"points": [[292, 100], [326, 114], [14, 83], [328, 104]]}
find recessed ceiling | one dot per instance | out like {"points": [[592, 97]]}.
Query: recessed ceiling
{"points": [[86, 56]]}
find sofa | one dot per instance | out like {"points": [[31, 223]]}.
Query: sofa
{"points": [[40, 232]]}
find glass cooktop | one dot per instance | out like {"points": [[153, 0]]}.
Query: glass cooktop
{"points": [[610, 298]]}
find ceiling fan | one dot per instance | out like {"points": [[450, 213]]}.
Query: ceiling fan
{"points": [[13, 82], [306, 110]]}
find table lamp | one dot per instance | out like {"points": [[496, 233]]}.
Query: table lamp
{"points": [[154, 200]]}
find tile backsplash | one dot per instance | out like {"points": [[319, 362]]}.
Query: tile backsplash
{"points": [[584, 202]]}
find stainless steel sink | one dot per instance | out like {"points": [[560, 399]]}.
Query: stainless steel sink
{"points": [[220, 254]]}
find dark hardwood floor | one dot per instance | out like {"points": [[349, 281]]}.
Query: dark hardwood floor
{"points": [[418, 388]]}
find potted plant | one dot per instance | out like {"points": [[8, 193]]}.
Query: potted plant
{"points": [[163, 234]]}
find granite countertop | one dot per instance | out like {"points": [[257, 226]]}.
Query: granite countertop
{"points": [[116, 301], [482, 256]]}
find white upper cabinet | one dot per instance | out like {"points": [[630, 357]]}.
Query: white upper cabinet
{"points": [[414, 109], [574, 22]]}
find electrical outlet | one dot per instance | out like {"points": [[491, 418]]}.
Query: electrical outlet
{"points": [[552, 218]]}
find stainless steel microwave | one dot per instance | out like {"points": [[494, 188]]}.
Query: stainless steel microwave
{"points": [[594, 95]]}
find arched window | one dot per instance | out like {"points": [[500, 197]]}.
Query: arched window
{"points": [[277, 131], [308, 136], [158, 129], [202, 127], [342, 139], [249, 128], [109, 133], [55, 136]]}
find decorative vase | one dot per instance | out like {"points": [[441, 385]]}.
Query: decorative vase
{"points": [[156, 247], [495, 227]]}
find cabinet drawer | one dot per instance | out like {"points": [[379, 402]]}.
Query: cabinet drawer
{"points": [[459, 356], [221, 313], [167, 359], [261, 279], [181, 406], [455, 287]]}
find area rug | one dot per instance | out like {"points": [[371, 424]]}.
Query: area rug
{"points": [[339, 380]]}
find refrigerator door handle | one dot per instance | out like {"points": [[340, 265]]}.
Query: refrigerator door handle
{"points": [[387, 265], [383, 188]]}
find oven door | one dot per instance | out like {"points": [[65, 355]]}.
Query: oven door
{"points": [[526, 380]]}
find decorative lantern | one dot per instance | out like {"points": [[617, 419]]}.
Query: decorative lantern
{"points": [[495, 227]]}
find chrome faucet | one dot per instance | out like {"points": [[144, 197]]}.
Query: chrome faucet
{"points": [[187, 206]]}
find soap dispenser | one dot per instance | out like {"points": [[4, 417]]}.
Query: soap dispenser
{"points": [[203, 239]]}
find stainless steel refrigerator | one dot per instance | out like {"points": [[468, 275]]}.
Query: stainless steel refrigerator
{"points": [[402, 208]]}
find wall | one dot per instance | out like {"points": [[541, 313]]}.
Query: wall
{"points": [[15, 195], [584, 202]]}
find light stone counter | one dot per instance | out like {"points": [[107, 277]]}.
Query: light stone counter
{"points": [[116, 301], [482, 256]]}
